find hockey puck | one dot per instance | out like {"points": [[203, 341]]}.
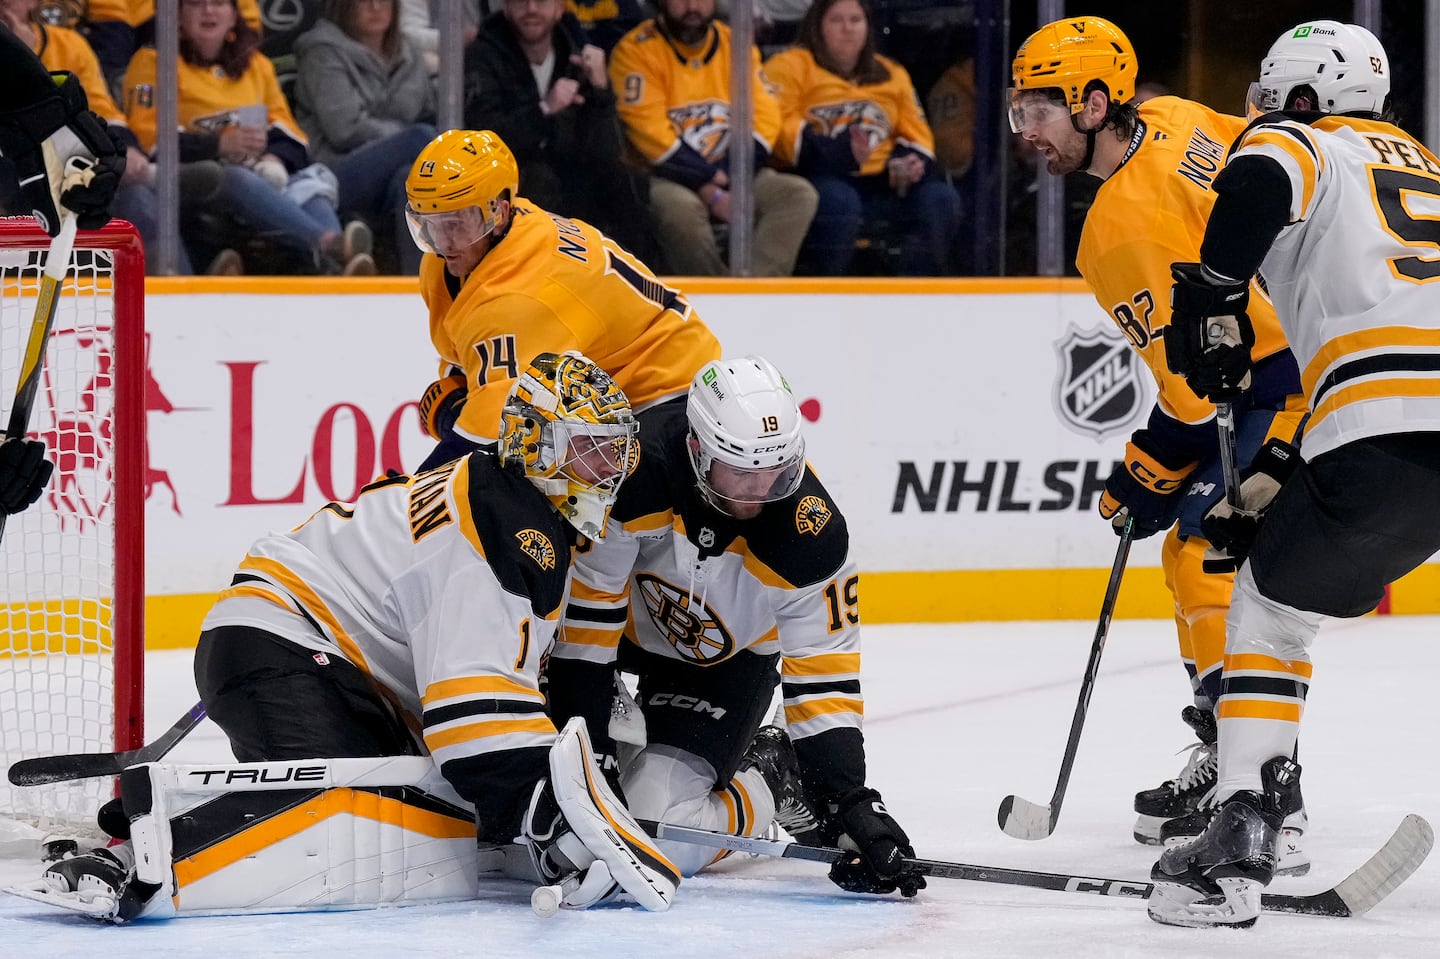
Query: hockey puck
{"points": [[545, 900]]}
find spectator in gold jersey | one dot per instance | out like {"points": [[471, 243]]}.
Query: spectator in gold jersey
{"points": [[852, 124]]}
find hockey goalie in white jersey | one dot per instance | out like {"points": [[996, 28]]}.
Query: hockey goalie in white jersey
{"points": [[403, 633], [726, 557]]}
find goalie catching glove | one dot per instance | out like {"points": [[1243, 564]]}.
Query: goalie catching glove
{"points": [[876, 845], [1209, 337], [1147, 485], [576, 828], [42, 138], [1231, 530]]}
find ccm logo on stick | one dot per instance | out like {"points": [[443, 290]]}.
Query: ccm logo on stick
{"points": [[298, 774], [1103, 887]]}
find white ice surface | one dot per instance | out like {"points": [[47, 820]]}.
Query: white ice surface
{"points": [[958, 716]]}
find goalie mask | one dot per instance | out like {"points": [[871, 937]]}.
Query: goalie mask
{"points": [[745, 444], [457, 190], [570, 429], [1343, 65]]}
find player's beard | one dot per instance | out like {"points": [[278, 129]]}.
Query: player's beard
{"points": [[1065, 157], [688, 30]]}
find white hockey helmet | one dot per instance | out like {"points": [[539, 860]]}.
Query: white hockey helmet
{"points": [[570, 429], [1342, 62], [745, 444]]}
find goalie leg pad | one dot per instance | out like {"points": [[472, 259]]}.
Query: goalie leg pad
{"points": [[602, 823], [293, 836]]}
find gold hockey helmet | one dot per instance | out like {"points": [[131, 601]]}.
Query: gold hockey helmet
{"points": [[1068, 55], [456, 187], [570, 428]]}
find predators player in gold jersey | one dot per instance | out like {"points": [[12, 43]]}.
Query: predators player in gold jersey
{"points": [[405, 633], [725, 558], [1158, 161], [671, 77], [504, 279]]}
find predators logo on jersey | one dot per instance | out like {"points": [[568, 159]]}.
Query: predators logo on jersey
{"points": [[811, 515], [703, 126], [834, 118], [538, 547], [697, 635]]}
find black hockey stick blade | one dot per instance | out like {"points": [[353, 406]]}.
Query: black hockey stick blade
{"points": [[1021, 818], [1357, 893], [59, 769]]}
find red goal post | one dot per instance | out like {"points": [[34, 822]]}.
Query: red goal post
{"points": [[72, 566]]}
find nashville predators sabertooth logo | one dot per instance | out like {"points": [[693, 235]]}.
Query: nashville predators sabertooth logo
{"points": [[811, 515], [538, 547]]}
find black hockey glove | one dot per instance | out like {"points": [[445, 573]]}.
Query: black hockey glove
{"points": [[878, 847], [1209, 337], [41, 138], [440, 406], [1231, 531], [1148, 485], [24, 471]]}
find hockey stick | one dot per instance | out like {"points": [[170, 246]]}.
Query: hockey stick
{"points": [[57, 262], [1225, 427], [1026, 820], [1357, 893], [59, 769]]}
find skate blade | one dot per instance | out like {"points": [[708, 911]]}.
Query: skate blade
{"points": [[1147, 829], [1176, 904], [95, 905]]}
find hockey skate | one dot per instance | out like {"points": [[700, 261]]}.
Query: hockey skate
{"points": [[1217, 878], [1291, 858], [99, 883], [1181, 796], [773, 756]]}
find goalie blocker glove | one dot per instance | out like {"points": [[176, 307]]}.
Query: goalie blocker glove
{"points": [[876, 844], [1231, 530], [41, 138], [1147, 486], [1209, 337], [24, 471]]}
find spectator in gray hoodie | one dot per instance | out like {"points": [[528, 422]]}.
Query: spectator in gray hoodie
{"points": [[366, 99]]}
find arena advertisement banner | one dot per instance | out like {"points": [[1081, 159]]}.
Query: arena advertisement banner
{"points": [[966, 436]]}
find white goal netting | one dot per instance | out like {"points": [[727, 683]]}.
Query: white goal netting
{"points": [[71, 565]]}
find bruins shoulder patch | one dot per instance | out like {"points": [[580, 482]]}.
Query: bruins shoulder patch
{"points": [[538, 547], [811, 515]]}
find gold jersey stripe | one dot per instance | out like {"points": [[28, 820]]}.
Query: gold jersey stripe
{"points": [[473, 732], [829, 664], [1268, 664], [1258, 709], [477, 685], [312, 603]]}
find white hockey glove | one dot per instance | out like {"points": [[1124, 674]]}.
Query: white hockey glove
{"points": [[580, 836], [1232, 531]]}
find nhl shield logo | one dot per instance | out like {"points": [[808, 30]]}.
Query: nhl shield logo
{"points": [[1098, 392]]}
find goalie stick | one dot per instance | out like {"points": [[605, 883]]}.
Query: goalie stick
{"points": [[1354, 895], [59, 769], [1027, 820]]}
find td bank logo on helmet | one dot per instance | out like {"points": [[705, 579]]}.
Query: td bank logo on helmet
{"points": [[1312, 30], [708, 378]]}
